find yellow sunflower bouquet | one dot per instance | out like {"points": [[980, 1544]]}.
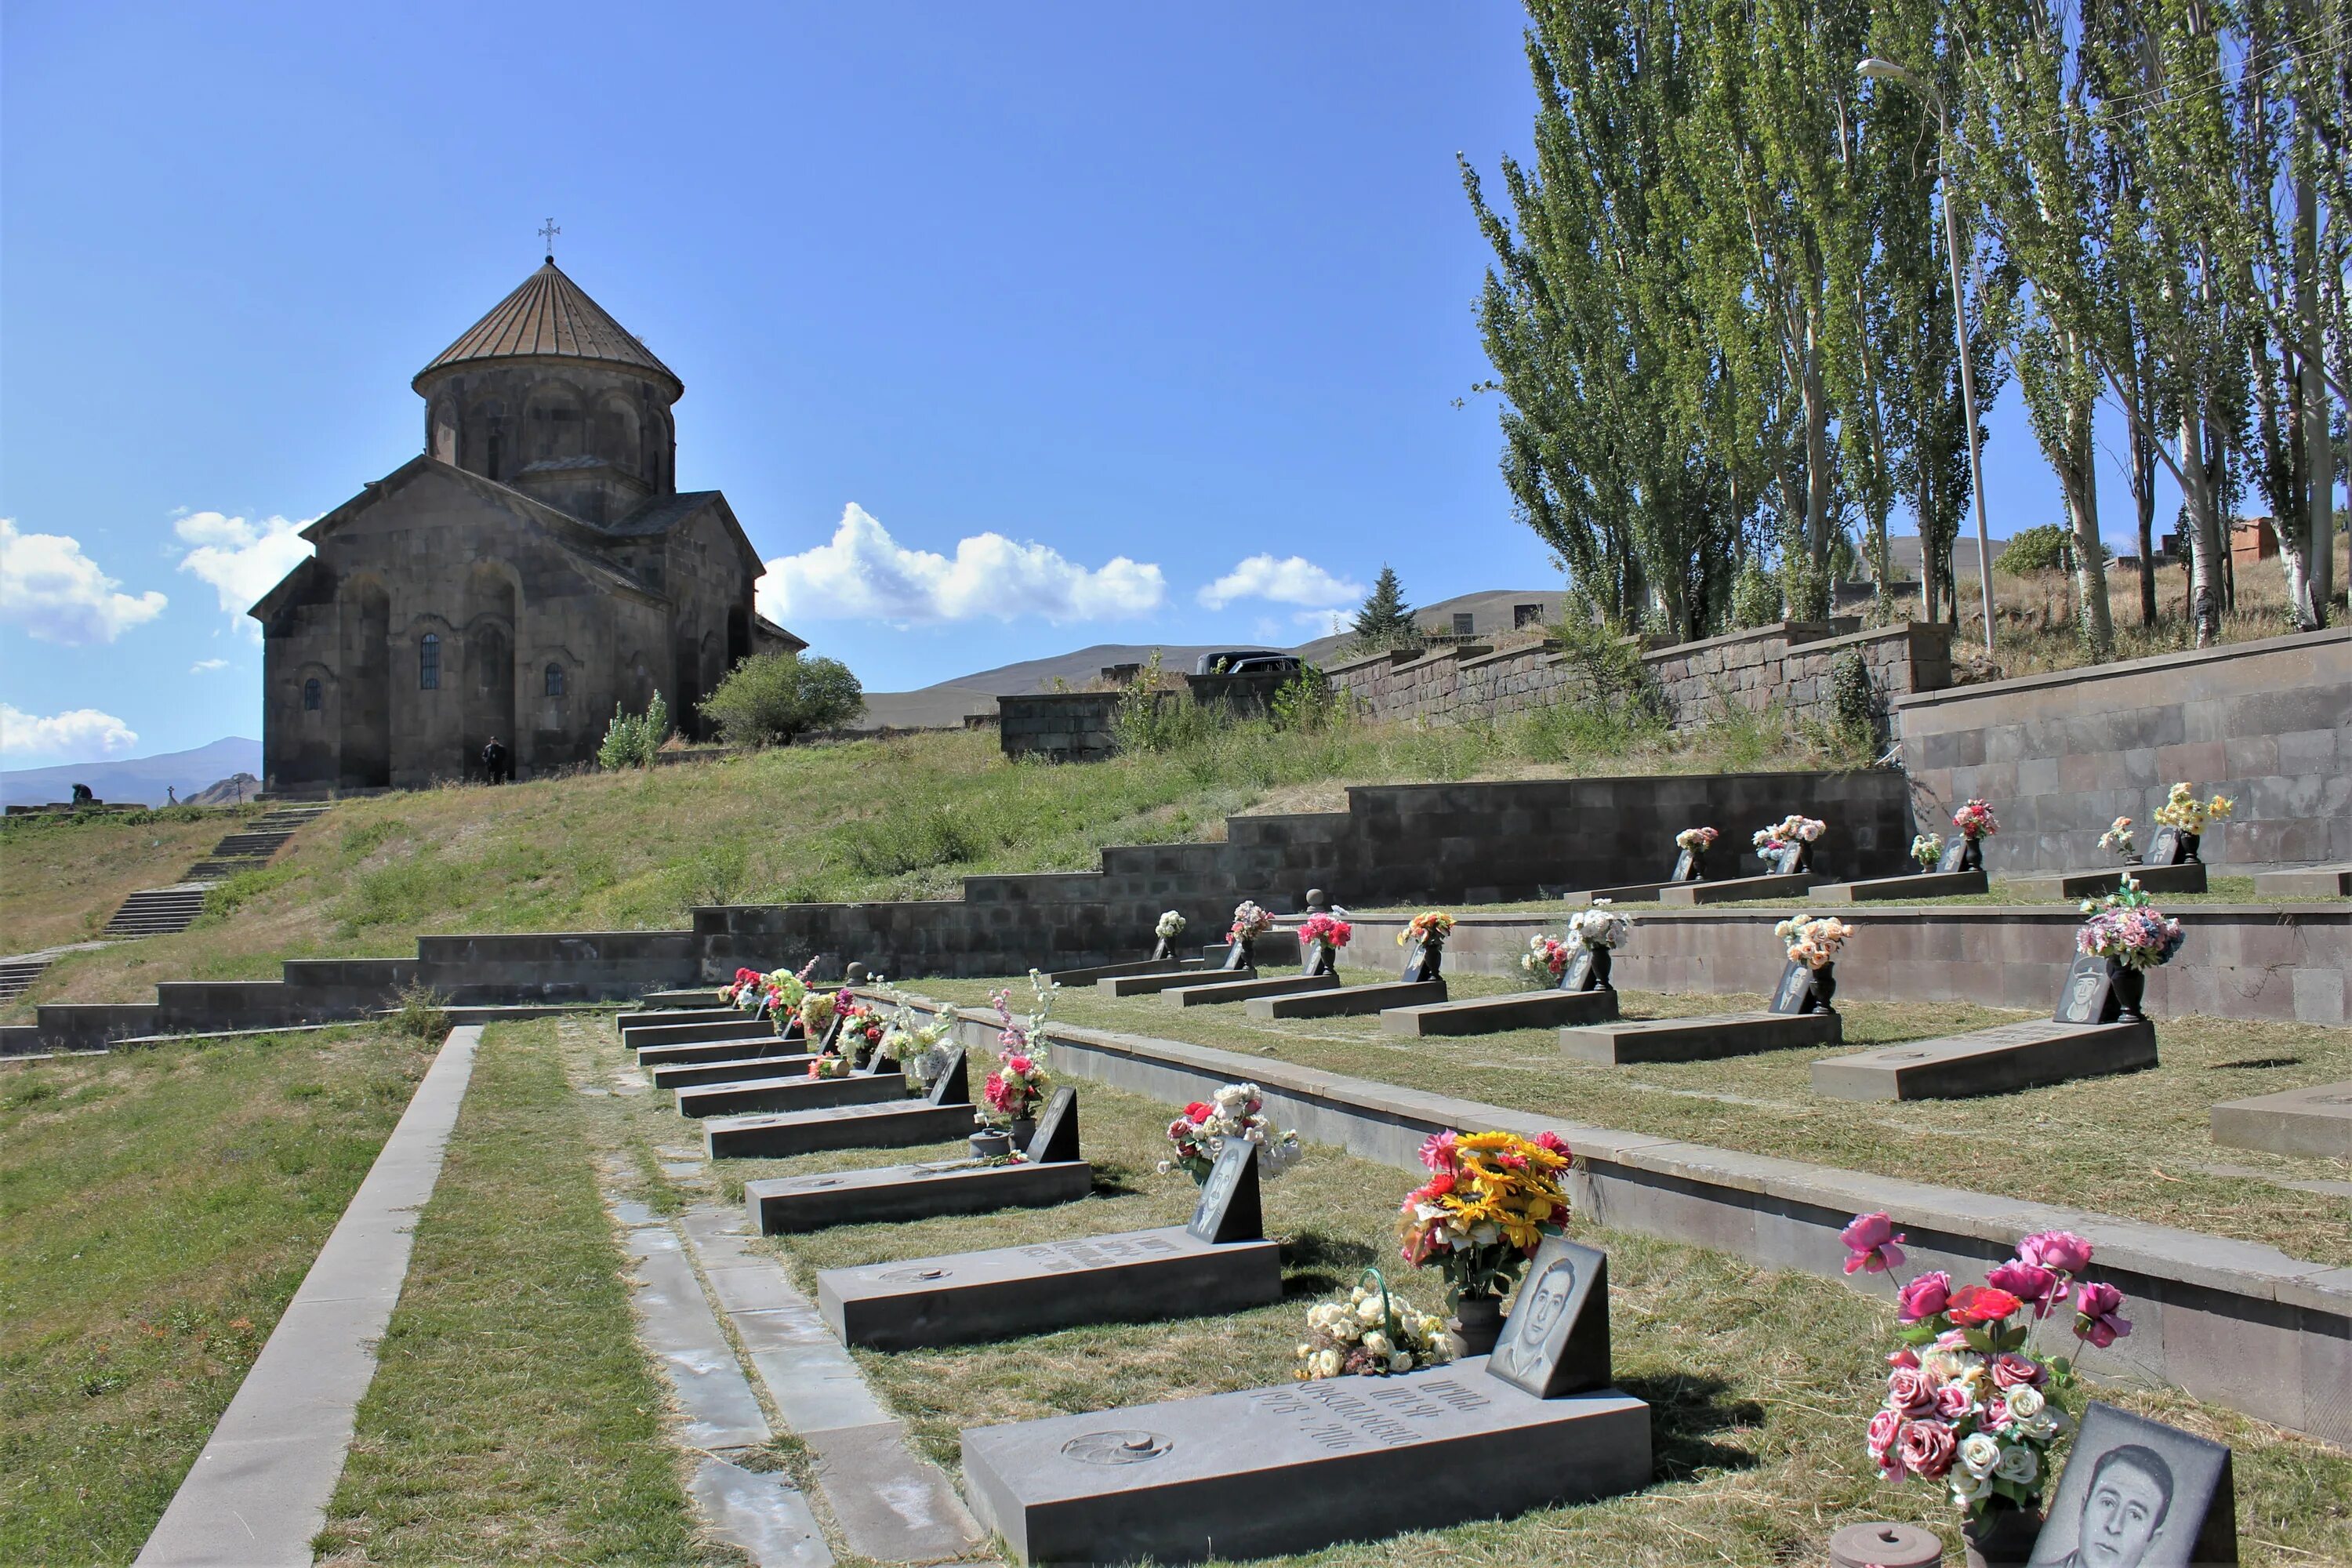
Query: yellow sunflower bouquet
{"points": [[1491, 1198]]}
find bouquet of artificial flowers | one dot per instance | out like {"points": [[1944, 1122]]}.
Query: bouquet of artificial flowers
{"points": [[1927, 848], [2128, 927], [1546, 959], [862, 1027], [1170, 926], [1324, 931], [1430, 928], [1814, 940], [817, 1013], [1790, 829], [1600, 926], [2117, 839], [1697, 840], [1975, 820], [2183, 810], [831, 1064], [1370, 1334], [1491, 1199], [1236, 1111], [1018, 1087], [1971, 1403], [1249, 922]]}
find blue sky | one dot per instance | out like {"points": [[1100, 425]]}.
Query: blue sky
{"points": [[1145, 294]]}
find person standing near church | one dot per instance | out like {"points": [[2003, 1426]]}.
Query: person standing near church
{"points": [[494, 763]]}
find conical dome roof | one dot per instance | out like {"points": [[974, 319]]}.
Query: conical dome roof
{"points": [[551, 317]]}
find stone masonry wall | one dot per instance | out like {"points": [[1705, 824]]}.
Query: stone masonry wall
{"points": [[1066, 726], [2060, 757]]}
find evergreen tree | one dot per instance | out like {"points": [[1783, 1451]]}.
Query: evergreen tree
{"points": [[1385, 619]]}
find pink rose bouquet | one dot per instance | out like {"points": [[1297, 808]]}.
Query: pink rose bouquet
{"points": [[1546, 959], [1325, 932], [1975, 820], [2126, 927], [1250, 923], [1971, 1405]]}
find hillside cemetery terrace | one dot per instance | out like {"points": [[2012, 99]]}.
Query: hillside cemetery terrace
{"points": [[905, 1231]]}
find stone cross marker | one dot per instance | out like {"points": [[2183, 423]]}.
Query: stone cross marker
{"points": [[2136, 1491], [1056, 1138], [2088, 996], [1229, 1209], [1556, 1341], [953, 1085], [1795, 991]]}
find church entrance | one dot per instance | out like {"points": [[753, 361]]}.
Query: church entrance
{"points": [[489, 684], [367, 739]]}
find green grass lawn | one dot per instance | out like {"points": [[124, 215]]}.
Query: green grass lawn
{"points": [[513, 1418], [61, 879], [2135, 1144], [157, 1211], [1760, 1381]]}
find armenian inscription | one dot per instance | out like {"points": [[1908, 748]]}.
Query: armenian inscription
{"points": [[1339, 1420]]}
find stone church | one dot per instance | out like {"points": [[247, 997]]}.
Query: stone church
{"points": [[535, 566]]}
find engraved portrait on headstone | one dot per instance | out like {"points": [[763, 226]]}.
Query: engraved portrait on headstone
{"points": [[1578, 975], [1795, 991], [1228, 1209], [1556, 1339], [953, 1085], [2164, 848], [1955, 855], [1686, 867], [2138, 1494], [2088, 995], [1056, 1138], [1524, 1355]]}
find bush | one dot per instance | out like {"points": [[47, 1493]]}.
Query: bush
{"points": [[1306, 702], [771, 698], [1755, 597], [631, 742], [421, 1014], [1852, 704], [2048, 548]]}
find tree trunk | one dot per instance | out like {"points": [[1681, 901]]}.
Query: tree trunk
{"points": [[2317, 524], [2143, 488], [2081, 486], [2205, 537]]}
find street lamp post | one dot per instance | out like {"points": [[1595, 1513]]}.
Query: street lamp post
{"points": [[1877, 70]]}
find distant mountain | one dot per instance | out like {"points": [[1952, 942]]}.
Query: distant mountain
{"points": [[140, 779], [944, 704], [234, 790]]}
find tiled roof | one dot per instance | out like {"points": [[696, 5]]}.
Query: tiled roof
{"points": [[660, 513], [550, 316]]}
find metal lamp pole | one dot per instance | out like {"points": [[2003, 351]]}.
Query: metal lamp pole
{"points": [[1877, 70]]}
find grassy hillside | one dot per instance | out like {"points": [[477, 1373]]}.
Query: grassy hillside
{"points": [[871, 819], [62, 879]]}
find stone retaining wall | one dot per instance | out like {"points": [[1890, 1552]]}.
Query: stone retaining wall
{"points": [[2060, 757]]}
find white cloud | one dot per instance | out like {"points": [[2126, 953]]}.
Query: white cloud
{"points": [[205, 666], [84, 731], [241, 560], [1293, 580], [57, 594], [862, 572]]}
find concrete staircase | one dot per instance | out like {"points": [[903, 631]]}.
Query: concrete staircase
{"points": [[161, 911], [17, 975]]}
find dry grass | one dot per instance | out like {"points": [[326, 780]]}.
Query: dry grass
{"points": [[61, 881], [159, 1208], [1759, 1381], [2135, 1144]]}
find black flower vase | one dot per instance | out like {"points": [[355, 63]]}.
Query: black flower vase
{"points": [[1477, 1324], [2130, 987], [1601, 970], [1433, 955], [1163, 953], [2188, 848], [1824, 989], [2001, 1537], [1248, 945], [1972, 856]]}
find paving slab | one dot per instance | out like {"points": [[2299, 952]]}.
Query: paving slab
{"points": [[760, 1512], [1347, 1001], [675, 1323], [1988, 1061], [1299, 1468], [2097, 882], [790, 1092], [1731, 889], [1131, 1276], [899, 1125], [2305, 882], [259, 1490], [1153, 985], [890, 1505], [1488, 1015], [1244, 990], [1920, 885], [729, 1069], [789, 1203], [1699, 1039], [2315, 1121]]}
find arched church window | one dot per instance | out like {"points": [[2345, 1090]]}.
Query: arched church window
{"points": [[312, 695], [555, 681], [428, 663]]}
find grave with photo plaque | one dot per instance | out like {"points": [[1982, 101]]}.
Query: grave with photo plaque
{"points": [[682, 1075], [1219, 1263], [1690, 866], [1050, 1172], [944, 1114], [2084, 1037], [1958, 872], [739, 1027], [1218, 992], [2136, 1493], [1308, 1465], [1579, 998], [786, 1091]]}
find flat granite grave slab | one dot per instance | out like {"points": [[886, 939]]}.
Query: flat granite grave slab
{"points": [[1988, 1061], [798, 1093], [1920, 885], [622, 1023], [2315, 1122], [898, 1125], [910, 1191], [1486, 1015], [721, 1050], [682, 1075], [1630, 893], [1132, 1277], [1242, 990], [1347, 1001], [1731, 889], [1296, 1468], [1152, 984], [738, 1027], [2185, 879], [2305, 882], [1699, 1039], [1093, 973]]}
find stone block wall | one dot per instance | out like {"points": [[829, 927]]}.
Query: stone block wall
{"points": [[1787, 663], [1066, 726], [2060, 757]]}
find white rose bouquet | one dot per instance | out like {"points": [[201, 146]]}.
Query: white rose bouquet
{"points": [[1370, 1334]]}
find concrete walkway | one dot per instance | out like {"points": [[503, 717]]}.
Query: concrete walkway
{"points": [[259, 1491]]}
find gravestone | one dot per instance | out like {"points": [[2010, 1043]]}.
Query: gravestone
{"points": [[1544, 1009], [787, 1092], [2313, 1122], [1794, 994], [1321, 959], [945, 1113], [1217, 990], [1228, 1208], [1422, 961], [1954, 856], [1698, 1039], [953, 1085], [1056, 1138], [1556, 1339], [1686, 867], [2088, 996], [682, 1075], [1347, 1001], [2166, 848], [1052, 1174], [1237, 955], [1152, 984], [2136, 1492], [1580, 974]]}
